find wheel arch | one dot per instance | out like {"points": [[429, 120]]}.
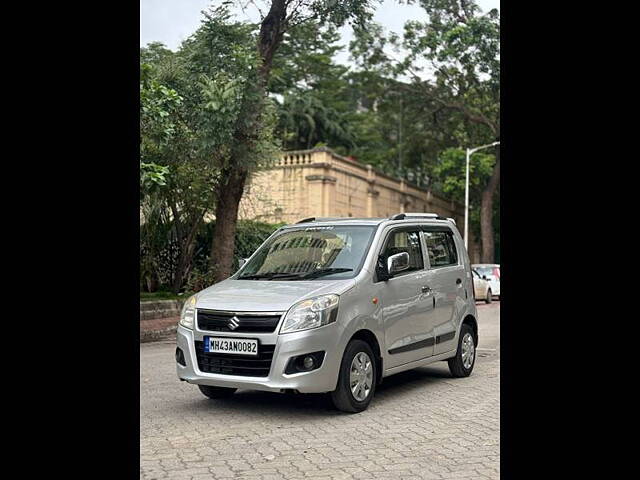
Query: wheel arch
{"points": [[473, 323], [369, 337]]}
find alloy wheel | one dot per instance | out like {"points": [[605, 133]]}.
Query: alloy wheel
{"points": [[361, 376], [468, 350]]}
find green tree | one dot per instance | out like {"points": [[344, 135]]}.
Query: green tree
{"points": [[452, 98], [158, 126], [462, 47], [306, 121], [158, 107], [282, 17], [314, 107], [211, 70], [397, 131], [449, 176]]}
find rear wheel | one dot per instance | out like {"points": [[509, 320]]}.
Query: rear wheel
{"points": [[489, 297], [216, 392], [462, 364], [357, 378]]}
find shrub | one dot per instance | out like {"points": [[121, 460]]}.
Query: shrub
{"points": [[249, 236]]}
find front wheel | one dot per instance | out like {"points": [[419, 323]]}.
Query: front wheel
{"points": [[462, 364], [357, 378], [489, 297], [216, 392]]}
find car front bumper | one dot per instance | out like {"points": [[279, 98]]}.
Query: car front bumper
{"points": [[323, 379]]}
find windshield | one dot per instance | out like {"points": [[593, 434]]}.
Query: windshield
{"points": [[311, 252]]}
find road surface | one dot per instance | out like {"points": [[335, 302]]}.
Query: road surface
{"points": [[422, 424]]}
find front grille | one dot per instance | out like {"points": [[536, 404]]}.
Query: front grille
{"points": [[231, 364], [219, 322]]}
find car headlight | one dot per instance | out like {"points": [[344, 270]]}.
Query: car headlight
{"points": [[188, 314], [312, 313]]}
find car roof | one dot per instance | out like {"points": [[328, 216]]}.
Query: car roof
{"points": [[367, 222], [395, 219]]}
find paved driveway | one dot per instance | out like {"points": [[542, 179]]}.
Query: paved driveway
{"points": [[421, 424]]}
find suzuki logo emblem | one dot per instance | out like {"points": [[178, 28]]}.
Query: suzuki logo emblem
{"points": [[233, 323]]}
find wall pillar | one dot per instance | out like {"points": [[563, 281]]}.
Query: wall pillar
{"points": [[372, 194]]}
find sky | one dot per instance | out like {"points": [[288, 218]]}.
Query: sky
{"points": [[172, 21]]}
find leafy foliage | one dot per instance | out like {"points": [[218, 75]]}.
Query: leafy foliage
{"points": [[152, 176], [249, 236], [450, 173], [234, 94], [462, 47], [187, 138], [453, 60], [306, 121]]}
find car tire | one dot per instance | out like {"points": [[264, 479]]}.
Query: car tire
{"points": [[216, 392], [489, 297], [343, 398], [459, 365]]}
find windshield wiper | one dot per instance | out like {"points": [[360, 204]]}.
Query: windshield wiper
{"points": [[294, 275], [325, 271], [270, 275]]}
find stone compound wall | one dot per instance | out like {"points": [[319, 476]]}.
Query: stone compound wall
{"points": [[150, 310], [319, 182]]}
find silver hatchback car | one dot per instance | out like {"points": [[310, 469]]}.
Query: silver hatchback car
{"points": [[334, 305]]}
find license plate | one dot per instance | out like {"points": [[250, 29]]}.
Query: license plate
{"points": [[238, 346]]}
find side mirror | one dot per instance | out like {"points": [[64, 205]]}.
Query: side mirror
{"points": [[484, 277], [397, 263], [241, 262]]}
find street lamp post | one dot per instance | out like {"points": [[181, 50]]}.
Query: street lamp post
{"points": [[470, 151]]}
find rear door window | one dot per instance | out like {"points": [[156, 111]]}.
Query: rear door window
{"points": [[441, 248]]}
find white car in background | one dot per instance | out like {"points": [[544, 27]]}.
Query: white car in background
{"points": [[481, 288], [492, 273]]}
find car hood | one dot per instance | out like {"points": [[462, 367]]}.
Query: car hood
{"points": [[265, 295]]}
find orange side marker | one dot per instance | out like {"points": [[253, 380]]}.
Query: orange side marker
{"points": [[375, 300]]}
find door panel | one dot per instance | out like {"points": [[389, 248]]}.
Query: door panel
{"points": [[407, 306], [449, 282], [446, 302], [408, 319]]}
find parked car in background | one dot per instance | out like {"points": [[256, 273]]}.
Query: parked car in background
{"points": [[481, 288], [492, 272]]}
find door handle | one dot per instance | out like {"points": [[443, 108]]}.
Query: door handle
{"points": [[426, 289]]}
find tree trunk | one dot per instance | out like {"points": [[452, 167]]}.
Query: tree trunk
{"points": [[223, 244], [151, 282], [270, 38], [235, 175], [187, 245], [486, 214]]}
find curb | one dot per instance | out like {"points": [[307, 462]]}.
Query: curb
{"points": [[155, 309], [158, 329], [157, 335]]}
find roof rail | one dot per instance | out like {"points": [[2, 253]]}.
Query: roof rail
{"points": [[324, 219], [407, 216], [403, 216]]}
